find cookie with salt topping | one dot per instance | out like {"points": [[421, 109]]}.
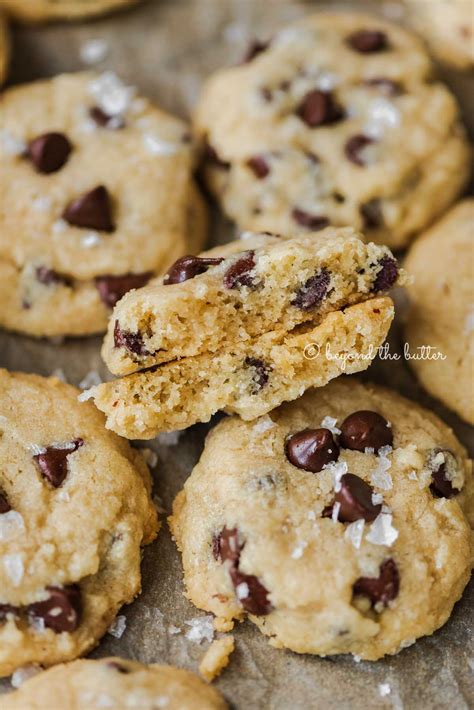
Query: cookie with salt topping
{"points": [[97, 198], [339, 523], [46, 10], [75, 511], [334, 120]]}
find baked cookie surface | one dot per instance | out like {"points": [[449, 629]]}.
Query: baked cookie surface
{"points": [[339, 522], [336, 120], [96, 198], [115, 683], [448, 28], [75, 510], [442, 309], [44, 10]]}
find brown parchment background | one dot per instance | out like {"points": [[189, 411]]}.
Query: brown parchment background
{"points": [[166, 48]]}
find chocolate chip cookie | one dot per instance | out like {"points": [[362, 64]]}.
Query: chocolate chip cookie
{"points": [[335, 120], [440, 326], [44, 10], [448, 28], [97, 198], [338, 523], [75, 509], [114, 683]]}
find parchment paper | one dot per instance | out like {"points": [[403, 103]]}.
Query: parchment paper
{"points": [[166, 47]]}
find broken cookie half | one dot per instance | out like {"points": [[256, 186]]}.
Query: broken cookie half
{"points": [[245, 327]]}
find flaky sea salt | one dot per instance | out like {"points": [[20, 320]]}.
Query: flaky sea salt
{"points": [[380, 476], [173, 630], [111, 94], [90, 240], [22, 674], [118, 626], [377, 498], [201, 629], [299, 549], [157, 146], [36, 450], [89, 380], [354, 532], [381, 531], [335, 511], [330, 423], [242, 590], [93, 51], [14, 568], [11, 524], [382, 115], [337, 470], [59, 374], [59, 226], [87, 394], [263, 424], [11, 145], [384, 689], [42, 204], [413, 476]]}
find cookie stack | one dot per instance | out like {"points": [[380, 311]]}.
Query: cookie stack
{"points": [[335, 514]]}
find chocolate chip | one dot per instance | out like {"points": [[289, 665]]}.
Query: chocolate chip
{"points": [[319, 108], [226, 546], [4, 504], [112, 288], [382, 589], [130, 341], [259, 166], [61, 611], [255, 48], [105, 120], [313, 292], [387, 275], [48, 276], [239, 274], [365, 430], [355, 499], [92, 210], [120, 667], [311, 221], [261, 373], [441, 486], [371, 213], [386, 86], [53, 462], [212, 156], [8, 610], [49, 152], [355, 146], [311, 449], [367, 41], [187, 267], [254, 596]]}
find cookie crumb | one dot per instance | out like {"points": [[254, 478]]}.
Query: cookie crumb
{"points": [[216, 657], [173, 630], [201, 629], [384, 689], [89, 380], [118, 626]]}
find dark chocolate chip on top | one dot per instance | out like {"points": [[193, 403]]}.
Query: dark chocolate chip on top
{"points": [[91, 210], [311, 449], [319, 108], [368, 41], [53, 463], [112, 288], [49, 152], [355, 500], [187, 267], [365, 430]]}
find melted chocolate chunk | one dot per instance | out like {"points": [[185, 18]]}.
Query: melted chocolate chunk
{"points": [[61, 611], [382, 589], [319, 108], [92, 210], [311, 221], [187, 267], [261, 373], [387, 275], [368, 41], [226, 546], [240, 272], [313, 292], [255, 48], [251, 593], [441, 486], [371, 213], [49, 152], [259, 166], [354, 148], [53, 462], [365, 429], [105, 120], [48, 276], [311, 449], [133, 342], [112, 288], [355, 499], [4, 504]]}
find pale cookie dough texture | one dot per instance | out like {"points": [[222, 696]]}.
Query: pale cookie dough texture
{"points": [[96, 198], [339, 522], [335, 120], [244, 331], [448, 28], [45, 10], [4, 46], [75, 510], [114, 683], [441, 317]]}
